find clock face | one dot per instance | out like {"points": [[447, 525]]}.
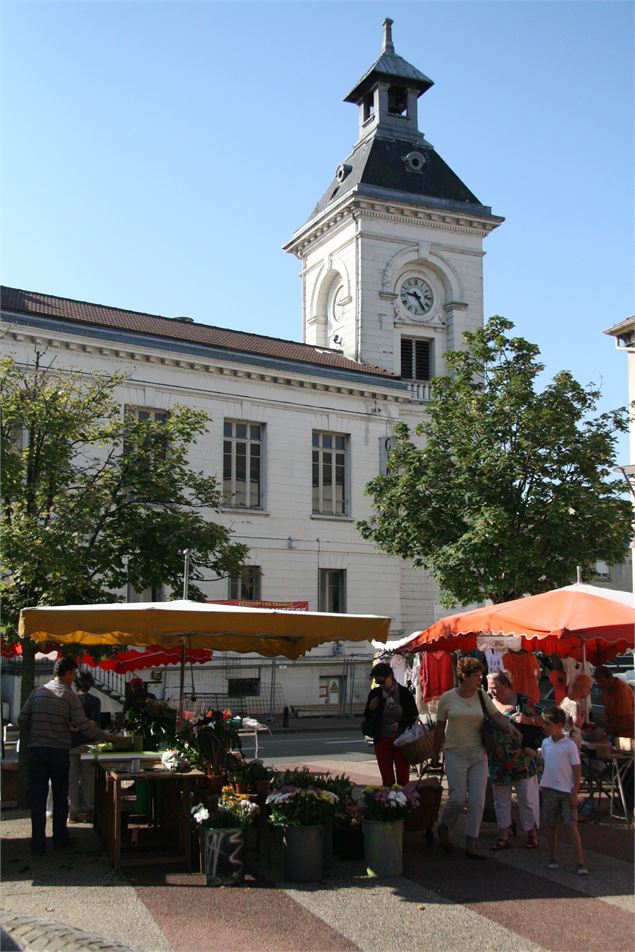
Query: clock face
{"points": [[416, 296], [336, 305]]}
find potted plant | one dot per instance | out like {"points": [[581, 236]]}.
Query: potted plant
{"points": [[249, 776], [348, 840], [222, 834], [384, 812], [301, 812], [155, 721], [206, 742]]}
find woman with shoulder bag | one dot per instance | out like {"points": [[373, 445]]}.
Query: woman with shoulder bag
{"points": [[513, 763], [461, 715], [390, 709]]}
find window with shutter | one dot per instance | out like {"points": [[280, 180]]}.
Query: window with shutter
{"points": [[416, 359]]}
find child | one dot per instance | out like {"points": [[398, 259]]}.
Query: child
{"points": [[560, 784]]}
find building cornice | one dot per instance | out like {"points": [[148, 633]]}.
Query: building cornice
{"points": [[127, 346], [436, 215]]}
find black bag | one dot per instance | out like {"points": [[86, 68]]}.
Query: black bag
{"points": [[489, 730], [368, 726]]}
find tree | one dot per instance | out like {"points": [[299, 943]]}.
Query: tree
{"points": [[504, 490], [95, 499]]}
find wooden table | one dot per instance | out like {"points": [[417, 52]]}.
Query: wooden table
{"points": [[170, 839]]}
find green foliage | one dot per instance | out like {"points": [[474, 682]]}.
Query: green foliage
{"points": [[248, 771], [207, 740], [155, 721], [94, 500], [503, 489]]}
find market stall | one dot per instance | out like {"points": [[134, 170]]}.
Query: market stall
{"points": [[187, 625], [578, 623]]}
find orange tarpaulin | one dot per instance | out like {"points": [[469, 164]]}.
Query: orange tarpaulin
{"points": [[556, 622]]}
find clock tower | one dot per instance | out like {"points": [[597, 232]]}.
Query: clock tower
{"points": [[392, 252]]}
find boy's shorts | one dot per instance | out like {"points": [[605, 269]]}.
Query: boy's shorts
{"points": [[556, 808]]}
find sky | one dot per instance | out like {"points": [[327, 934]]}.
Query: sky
{"points": [[157, 155]]}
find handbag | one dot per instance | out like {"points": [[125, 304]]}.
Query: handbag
{"points": [[489, 730]]}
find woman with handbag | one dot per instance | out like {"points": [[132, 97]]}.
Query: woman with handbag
{"points": [[465, 717], [390, 709], [513, 763]]}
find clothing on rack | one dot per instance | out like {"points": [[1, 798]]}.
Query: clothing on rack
{"points": [[572, 669], [559, 682], [436, 674], [524, 671], [494, 660]]}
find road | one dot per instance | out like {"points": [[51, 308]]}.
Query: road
{"points": [[343, 747]]}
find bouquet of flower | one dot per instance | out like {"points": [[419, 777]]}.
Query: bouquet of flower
{"points": [[301, 806], [233, 810], [175, 762], [348, 815], [207, 740], [389, 803]]}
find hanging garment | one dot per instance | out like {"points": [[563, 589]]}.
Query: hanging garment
{"points": [[524, 671], [437, 674], [559, 682], [494, 660], [398, 665], [572, 669]]}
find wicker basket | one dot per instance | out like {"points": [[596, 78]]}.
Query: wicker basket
{"points": [[418, 750]]}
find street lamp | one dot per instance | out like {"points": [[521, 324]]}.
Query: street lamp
{"points": [[628, 472]]}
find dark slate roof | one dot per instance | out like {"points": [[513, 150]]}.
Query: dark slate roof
{"points": [[378, 163], [80, 313], [390, 66]]}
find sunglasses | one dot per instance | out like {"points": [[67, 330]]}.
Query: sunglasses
{"points": [[380, 681]]}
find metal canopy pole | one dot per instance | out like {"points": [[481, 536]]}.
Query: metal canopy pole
{"points": [[186, 585]]}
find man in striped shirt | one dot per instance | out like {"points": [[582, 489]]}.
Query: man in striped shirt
{"points": [[46, 717]]}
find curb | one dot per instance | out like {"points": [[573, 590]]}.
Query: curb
{"points": [[31, 934]]}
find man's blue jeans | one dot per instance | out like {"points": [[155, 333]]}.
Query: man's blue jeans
{"points": [[48, 763]]}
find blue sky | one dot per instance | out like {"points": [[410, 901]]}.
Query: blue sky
{"points": [[157, 155]]}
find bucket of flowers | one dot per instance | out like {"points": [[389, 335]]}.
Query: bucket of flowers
{"points": [[348, 838], [222, 835], [302, 812], [384, 811]]}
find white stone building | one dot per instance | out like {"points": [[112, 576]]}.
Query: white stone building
{"points": [[392, 276]]}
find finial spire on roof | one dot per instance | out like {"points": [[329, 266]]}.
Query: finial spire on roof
{"points": [[387, 45]]}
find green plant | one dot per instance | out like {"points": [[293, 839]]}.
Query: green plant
{"points": [[301, 806], [208, 740], [247, 771], [155, 721], [295, 777]]}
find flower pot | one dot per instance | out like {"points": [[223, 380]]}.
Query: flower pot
{"points": [[222, 856], [215, 782], [261, 787], [383, 847], [303, 853], [348, 842]]}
